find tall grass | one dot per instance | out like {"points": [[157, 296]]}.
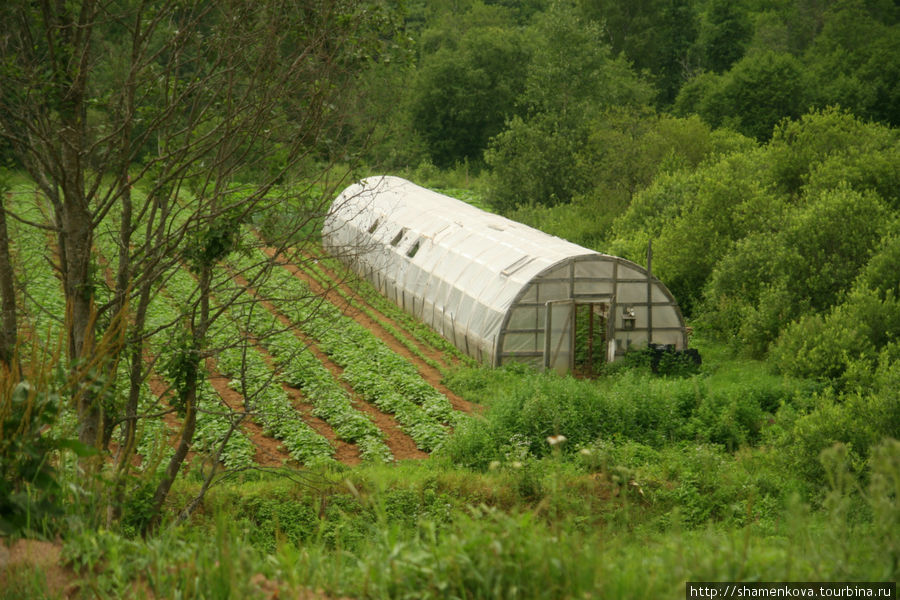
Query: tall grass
{"points": [[422, 530]]}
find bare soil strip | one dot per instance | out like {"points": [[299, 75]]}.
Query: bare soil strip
{"points": [[430, 374], [345, 452], [398, 442]]}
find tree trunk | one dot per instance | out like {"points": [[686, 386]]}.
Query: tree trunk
{"points": [[8, 329], [79, 289]]}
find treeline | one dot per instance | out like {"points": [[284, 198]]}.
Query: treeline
{"points": [[753, 143], [479, 72]]}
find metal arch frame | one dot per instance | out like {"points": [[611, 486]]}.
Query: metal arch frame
{"points": [[649, 278]]}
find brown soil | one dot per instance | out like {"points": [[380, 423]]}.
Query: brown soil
{"points": [[400, 444], [430, 374], [162, 390], [25, 561], [345, 452]]}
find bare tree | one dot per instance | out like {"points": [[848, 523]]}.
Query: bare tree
{"points": [[204, 107]]}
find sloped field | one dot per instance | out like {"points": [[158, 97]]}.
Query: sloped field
{"points": [[307, 365]]}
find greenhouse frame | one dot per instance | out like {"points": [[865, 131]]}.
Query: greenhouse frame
{"points": [[500, 291]]}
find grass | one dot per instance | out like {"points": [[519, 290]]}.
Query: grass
{"points": [[627, 514], [431, 530]]}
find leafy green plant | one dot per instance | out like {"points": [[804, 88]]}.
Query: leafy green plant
{"points": [[31, 495]]}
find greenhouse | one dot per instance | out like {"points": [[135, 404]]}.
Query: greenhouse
{"points": [[498, 290]]}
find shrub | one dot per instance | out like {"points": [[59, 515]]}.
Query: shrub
{"points": [[857, 420], [279, 518], [30, 489], [842, 346]]}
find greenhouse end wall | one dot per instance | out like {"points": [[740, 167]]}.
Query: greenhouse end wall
{"points": [[498, 290]]}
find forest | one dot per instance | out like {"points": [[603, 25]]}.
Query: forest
{"points": [[196, 401]]}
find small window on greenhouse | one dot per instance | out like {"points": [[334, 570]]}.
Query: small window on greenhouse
{"points": [[398, 237], [413, 249], [373, 227]]}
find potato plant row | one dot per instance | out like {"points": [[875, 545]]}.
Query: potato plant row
{"points": [[44, 304], [383, 378], [300, 368], [319, 275], [267, 401], [268, 404], [213, 416], [379, 302]]}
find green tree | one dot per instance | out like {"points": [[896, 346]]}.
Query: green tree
{"points": [[629, 27], [725, 32], [695, 218], [625, 150], [755, 95], [464, 95], [805, 267], [824, 148], [678, 31], [571, 80], [533, 163], [655, 35], [853, 63], [853, 342], [573, 73]]}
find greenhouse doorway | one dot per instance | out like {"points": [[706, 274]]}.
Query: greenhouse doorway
{"points": [[575, 336], [589, 353]]}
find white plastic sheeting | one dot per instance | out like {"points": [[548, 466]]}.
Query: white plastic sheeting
{"points": [[497, 289]]}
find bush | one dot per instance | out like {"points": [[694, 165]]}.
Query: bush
{"points": [[279, 518], [859, 421], [30, 489], [627, 404], [843, 346]]}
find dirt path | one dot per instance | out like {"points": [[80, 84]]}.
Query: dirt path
{"points": [[42, 556], [429, 373]]}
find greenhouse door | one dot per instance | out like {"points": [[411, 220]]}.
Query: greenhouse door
{"points": [[558, 339], [590, 337]]}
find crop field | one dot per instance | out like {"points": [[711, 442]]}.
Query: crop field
{"points": [[310, 365]]}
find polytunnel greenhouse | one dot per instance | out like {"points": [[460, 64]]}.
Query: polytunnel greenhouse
{"points": [[500, 291]]}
